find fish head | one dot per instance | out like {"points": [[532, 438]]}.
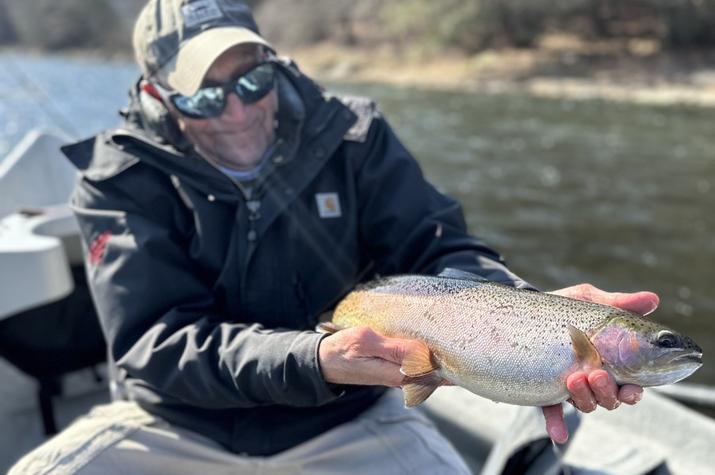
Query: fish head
{"points": [[640, 351]]}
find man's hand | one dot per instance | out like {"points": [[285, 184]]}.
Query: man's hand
{"points": [[593, 388], [361, 356]]}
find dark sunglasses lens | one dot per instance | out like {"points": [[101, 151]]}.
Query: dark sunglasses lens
{"points": [[255, 84], [207, 102]]}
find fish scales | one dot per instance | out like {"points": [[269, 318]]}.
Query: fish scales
{"points": [[505, 344]]}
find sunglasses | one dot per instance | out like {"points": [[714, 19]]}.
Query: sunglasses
{"points": [[210, 101]]}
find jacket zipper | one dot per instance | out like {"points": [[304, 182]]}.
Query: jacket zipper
{"points": [[253, 205]]}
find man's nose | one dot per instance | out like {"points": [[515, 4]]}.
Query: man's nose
{"points": [[235, 109]]}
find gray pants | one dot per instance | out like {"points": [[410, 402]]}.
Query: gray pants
{"points": [[121, 438]]}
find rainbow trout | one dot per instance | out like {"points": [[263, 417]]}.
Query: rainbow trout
{"points": [[509, 345]]}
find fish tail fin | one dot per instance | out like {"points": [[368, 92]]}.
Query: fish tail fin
{"points": [[417, 389], [328, 327]]}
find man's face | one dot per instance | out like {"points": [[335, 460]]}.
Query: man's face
{"points": [[239, 137]]}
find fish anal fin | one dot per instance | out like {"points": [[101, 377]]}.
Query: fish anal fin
{"points": [[328, 327], [417, 389], [586, 354], [418, 362]]}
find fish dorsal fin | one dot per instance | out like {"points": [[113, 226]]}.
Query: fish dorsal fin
{"points": [[452, 273], [586, 353], [418, 389], [418, 362]]}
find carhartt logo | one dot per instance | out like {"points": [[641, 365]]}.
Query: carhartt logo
{"points": [[328, 205], [199, 11]]}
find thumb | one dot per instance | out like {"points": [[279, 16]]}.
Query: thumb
{"points": [[638, 302], [555, 425]]}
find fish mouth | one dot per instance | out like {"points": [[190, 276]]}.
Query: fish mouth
{"points": [[689, 358]]}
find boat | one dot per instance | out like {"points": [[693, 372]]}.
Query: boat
{"points": [[48, 326], [40, 248]]}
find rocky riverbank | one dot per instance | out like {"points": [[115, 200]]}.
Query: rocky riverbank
{"points": [[559, 67], [650, 52]]}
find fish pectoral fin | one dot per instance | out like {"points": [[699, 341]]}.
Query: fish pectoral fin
{"points": [[328, 327], [586, 353], [418, 362], [417, 389]]}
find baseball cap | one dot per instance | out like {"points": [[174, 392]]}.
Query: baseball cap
{"points": [[178, 40]]}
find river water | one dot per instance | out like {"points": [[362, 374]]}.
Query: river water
{"points": [[618, 195]]}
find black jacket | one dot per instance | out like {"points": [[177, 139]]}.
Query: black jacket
{"points": [[208, 297]]}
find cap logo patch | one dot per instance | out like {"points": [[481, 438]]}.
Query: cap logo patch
{"points": [[200, 11], [328, 205]]}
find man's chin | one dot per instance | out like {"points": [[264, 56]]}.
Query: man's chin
{"points": [[223, 151], [243, 162]]}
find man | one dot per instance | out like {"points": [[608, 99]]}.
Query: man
{"points": [[238, 203]]}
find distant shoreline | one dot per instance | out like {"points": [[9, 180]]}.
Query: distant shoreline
{"points": [[664, 79]]}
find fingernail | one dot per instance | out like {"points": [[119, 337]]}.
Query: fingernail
{"points": [[601, 383], [588, 408], [615, 406], [632, 398], [559, 435]]}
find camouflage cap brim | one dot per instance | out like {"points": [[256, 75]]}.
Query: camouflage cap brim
{"points": [[187, 69]]}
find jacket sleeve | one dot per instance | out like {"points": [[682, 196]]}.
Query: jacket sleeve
{"points": [[160, 320], [408, 225]]}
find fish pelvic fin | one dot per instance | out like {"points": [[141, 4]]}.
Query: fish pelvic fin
{"points": [[418, 362], [417, 389], [586, 353], [328, 327]]}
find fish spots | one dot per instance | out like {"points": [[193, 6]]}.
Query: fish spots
{"points": [[430, 317], [501, 342]]}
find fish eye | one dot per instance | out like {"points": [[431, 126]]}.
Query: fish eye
{"points": [[666, 339]]}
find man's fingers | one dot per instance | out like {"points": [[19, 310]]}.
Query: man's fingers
{"points": [[642, 303], [604, 389], [639, 302], [581, 394], [362, 342], [630, 394], [395, 349], [555, 425], [368, 344], [352, 357]]}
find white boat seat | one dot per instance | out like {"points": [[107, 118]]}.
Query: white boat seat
{"points": [[37, 246]]}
